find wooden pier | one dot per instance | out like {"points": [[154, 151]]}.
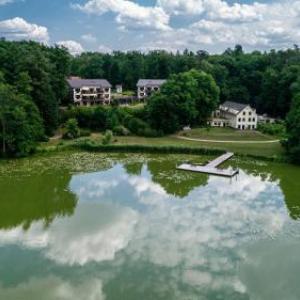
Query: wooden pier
{"points": [[211, 167]]}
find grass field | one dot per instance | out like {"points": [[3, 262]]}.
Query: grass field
{"points": [[226, 134], [259, 149]]}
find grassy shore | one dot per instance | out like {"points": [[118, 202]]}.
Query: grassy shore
{"points": [[268, 150]]}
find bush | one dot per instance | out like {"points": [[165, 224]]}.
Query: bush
{"points": [[107, 138], [71, 129], [136, 126], [121, 130], [277, 129]]}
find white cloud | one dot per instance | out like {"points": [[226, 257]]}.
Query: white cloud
{"points": [[129, 14], [220, 25], [3, 2], [19, 29], [104, 49], [181, 7], [74, 47], [213, 25], [89, 38], [214, 9]]}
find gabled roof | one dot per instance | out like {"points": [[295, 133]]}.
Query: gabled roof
{"points": [[150, 82], [233, 107], [76, 83]]}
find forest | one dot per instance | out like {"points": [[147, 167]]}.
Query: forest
{"points": [[33, 87]]}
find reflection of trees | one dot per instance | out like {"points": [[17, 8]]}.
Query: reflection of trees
{"points": [[289, 181], [175, 182], [26, 199], [133, 168]]}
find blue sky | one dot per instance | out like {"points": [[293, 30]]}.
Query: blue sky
{"points": [[105, 25]]}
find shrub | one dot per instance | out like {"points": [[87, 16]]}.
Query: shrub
{"points": [[107, 137], [136, 126], [71, 129], [121, 130], [277, 129]]}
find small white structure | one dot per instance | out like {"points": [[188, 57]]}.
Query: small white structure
{"points": [[119, 88], [236, 115], [87, 92], [145, 87], [265, 119]]}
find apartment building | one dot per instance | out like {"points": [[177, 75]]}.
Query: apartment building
{"points": [[88, 92]]}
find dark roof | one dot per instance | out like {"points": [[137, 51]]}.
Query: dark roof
{"points": [[150, 82], [238, 107], [79, 83]]}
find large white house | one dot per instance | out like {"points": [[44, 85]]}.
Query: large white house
{"points": [[235, 115], [89, 92], [145, 87]]}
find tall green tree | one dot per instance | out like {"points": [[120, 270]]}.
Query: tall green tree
{"points": [[293, 130], [185, 99], [20, 123]]}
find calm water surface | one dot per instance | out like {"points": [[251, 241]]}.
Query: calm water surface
{"points": [[87, 226]]}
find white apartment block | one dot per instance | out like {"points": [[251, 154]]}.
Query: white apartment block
{"points": [[88, 92], [236, 115], [146, 87]]}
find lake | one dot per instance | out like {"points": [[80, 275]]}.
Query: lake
{"points": [[90, 226]]}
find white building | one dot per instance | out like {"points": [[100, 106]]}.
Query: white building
{"points": [[265, 119], [235, 115], [89, 92], [145, 87]]}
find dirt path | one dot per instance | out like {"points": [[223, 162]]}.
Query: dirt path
{"points": [[232, 142]]}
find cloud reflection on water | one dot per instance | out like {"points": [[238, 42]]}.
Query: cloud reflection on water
{"points": [[96, 233], [198, 238], [54, 288]]}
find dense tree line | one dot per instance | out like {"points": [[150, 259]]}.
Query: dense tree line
{"points": [[263, 79], [32, 86]]}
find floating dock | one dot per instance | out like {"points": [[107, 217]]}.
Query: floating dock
{"points": [[211, 167]]}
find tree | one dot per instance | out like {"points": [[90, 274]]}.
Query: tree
{"points": [[72, 129], [20, 122], [186, 98], [293, 130]]}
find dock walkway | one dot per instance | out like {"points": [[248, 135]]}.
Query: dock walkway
{"points": [[211, 167]]}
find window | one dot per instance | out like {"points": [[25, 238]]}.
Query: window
{"points": [[142, 94], [244, 113], [250, 113], [253, 119], [156, 89], [240, 119], [142, 88], [107, 90], [244, 119], [239, 126], [249, 119]]}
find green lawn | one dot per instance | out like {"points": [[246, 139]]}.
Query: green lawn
{"points": [[259, 149], [226, 134]]}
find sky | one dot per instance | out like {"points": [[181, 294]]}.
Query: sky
{"points": [[107, 25]]}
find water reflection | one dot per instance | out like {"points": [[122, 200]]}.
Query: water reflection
{"points": [[26, 199], [145, 230], [96, 232], [53, 288]]}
